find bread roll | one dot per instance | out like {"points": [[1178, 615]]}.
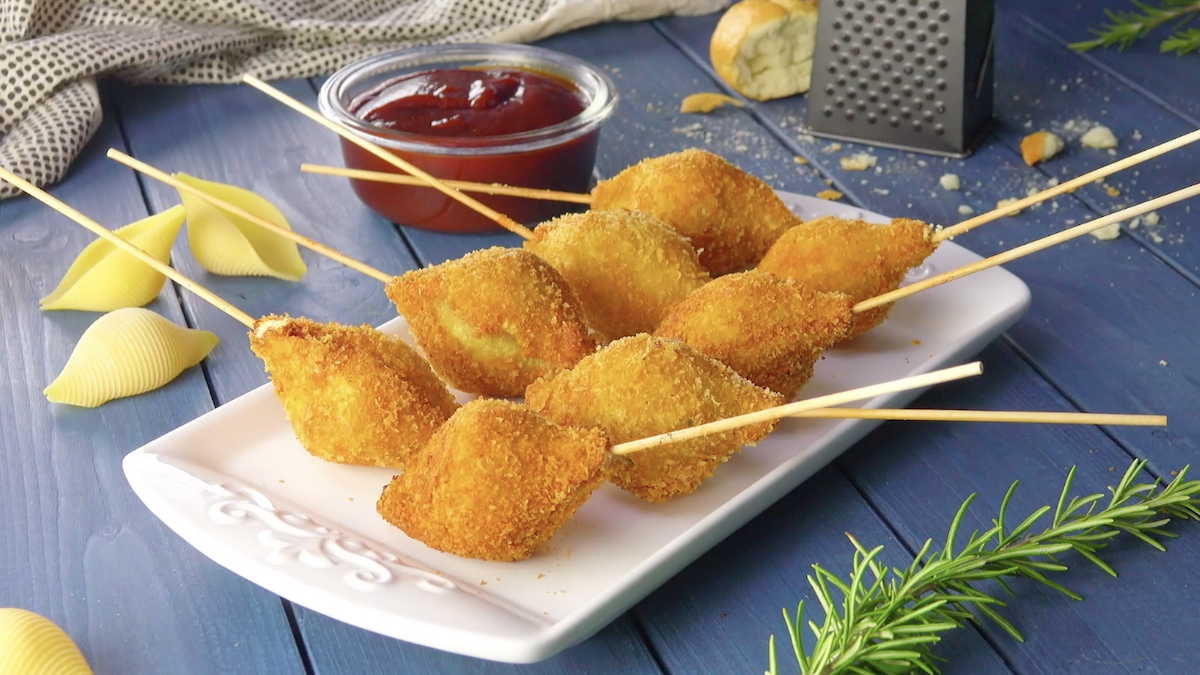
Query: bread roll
{"points": [[764, 48]]}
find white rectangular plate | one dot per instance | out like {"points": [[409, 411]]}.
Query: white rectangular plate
{"points": [[236, 485]]}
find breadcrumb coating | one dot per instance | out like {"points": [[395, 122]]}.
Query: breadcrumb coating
{"points": [[769, 329], [496, 482], [626, 267], [641, 386], [730, 216], [861, 259], [353, 395], [493, 321]]}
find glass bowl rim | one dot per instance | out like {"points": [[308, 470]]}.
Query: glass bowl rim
{"points": [[585, 76]]}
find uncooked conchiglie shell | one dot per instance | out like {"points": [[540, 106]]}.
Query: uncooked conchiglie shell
{"points": [[31, 644], [125, 353], [230, 245], [103, 278]]}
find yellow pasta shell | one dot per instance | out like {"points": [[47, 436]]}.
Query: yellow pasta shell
{"points": [[230, 245], [125, 353], [31, 644], [104, 278]]}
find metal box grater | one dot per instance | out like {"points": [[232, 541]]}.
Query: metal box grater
{"points": [[909, 74]]}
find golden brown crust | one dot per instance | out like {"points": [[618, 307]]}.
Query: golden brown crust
{"points": [[641, 386], [862, 260], [751, 20], [493, 321], [496, 482], [627, 267], [729, 216], [353, 395], [769, 329]]}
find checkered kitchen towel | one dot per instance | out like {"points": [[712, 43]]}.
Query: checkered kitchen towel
{"points": [[52, 50]]}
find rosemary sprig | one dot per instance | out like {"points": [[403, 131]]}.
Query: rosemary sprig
{"points": [[888, 620], [1129, 27]]}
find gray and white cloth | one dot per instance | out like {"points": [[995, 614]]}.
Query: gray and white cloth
{"points": [[51, 51]]}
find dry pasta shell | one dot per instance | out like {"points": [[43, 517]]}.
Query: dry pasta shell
{"points": [[104, 278], [125, 353], [230, 245], [30, 644]]}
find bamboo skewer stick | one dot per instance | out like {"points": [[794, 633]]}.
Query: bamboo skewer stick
{"points": [[940, 235], [464, 185], [1013, 416], [1031, 247], [778, 412], [103, 232], [300, 239], [1073, 184], [500, 219]]}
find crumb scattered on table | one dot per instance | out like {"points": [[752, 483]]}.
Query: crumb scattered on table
{"points": [[1108, 232], [1152, 218], [859, 162], [1003, 203], [1040, 146], [1099, 137], [950, 181], [706, 102], [829, 194], [965, 210]]}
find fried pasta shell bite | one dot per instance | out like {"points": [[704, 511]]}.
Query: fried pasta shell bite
{"points": [[352, 394], [641, 386], [626, 267], [729, 216], [496, 482], [493, 321], [769, 329], [861, 259]]}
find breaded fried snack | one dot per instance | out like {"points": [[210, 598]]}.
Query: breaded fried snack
{"points": [[496, 481], [626, 267], [860, 259], [641, 386], [769, 329], [493, 321], [353, 395], [729, 216]]}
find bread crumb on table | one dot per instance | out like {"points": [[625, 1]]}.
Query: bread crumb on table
{"points": [[859, 162], [829, 194], [1040, 146], [1108, 232], [1008, 202], [1099, 137], [1152, 218], [965, 210], [950, 181]]}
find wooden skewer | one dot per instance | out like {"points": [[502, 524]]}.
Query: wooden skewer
{"points": [[1031, 247], [786, 410], [500, 219], [1016, 416], [101, 231], [940, 235], [300, 239], [1075, 183], [464, 185]]}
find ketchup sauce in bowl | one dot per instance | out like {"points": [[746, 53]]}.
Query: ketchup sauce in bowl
{"points": [[509, 114]]}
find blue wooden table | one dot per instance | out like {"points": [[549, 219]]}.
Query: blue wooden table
{"points": [[1113, 328]]}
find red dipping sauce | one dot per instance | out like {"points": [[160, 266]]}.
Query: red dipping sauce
{"points": [[484, 123], [469, 103]]}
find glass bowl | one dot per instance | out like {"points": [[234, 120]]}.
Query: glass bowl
{"points": [[556, 157]]}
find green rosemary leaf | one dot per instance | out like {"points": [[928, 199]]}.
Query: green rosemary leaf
{"points": [[889, 624], [1127, 27]]}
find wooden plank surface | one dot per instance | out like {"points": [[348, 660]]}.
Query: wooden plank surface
{"points": [[1174, 81], [76, 545], [1100, 311], [239, 136], [1105, 315]]}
